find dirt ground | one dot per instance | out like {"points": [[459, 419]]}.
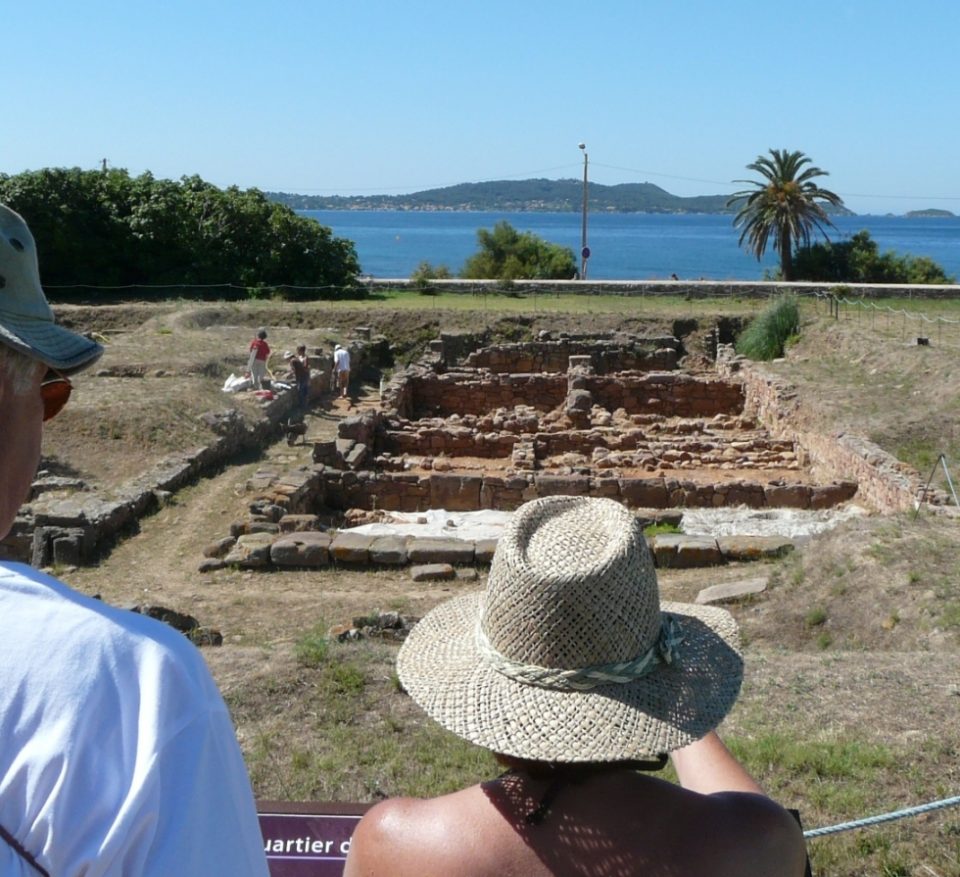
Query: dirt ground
{"points": [[856, 639]]}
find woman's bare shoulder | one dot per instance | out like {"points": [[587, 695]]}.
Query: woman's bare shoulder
{"points": [[757, 825], [398, 835]]}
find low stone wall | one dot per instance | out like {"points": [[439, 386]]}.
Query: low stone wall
{"points": [[658, 354], [411, 492], [449, 440], [621, 444], [312, 549], [69, 529], [688, 288], [886, 484], [669, 394], [479, 392]]}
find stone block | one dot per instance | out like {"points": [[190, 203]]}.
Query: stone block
{"points": [[211, 564], [348, 547], [562, 485], [685, 552], [325, 452], [220, 547], [746, 493], [754, 547], [455, 493], [357, 427], [389, 550], [646, 493], [440, 551], [787, 496], [309, 548], [827, 496], [68, 549], [252, 551], [579, 400], [731, 592], [432, 572], [484, 550], [299, 523]]}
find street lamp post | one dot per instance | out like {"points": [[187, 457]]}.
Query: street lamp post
{"points": [[584, 249]]}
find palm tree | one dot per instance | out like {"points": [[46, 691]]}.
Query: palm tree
{"points": [[782, 205]]}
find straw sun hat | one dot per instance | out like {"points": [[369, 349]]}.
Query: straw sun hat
{"points": [[569, 655]]}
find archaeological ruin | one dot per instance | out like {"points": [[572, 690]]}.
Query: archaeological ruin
{"points": [[602, 416], [474, 426]]}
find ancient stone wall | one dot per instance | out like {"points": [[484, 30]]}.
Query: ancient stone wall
{"points": [[69, 529], [478, 392], [886, 484], [412, 492], [669, 394], [605, 357]]}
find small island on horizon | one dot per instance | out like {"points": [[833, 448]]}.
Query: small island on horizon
{"points": [[930, 212]]}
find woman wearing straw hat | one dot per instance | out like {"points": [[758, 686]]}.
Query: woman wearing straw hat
{"points": [[570, 669]]}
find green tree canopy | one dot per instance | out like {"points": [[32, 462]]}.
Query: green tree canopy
{"points": [[782, 207], [106, 228], [859, 260], [506, 254]]}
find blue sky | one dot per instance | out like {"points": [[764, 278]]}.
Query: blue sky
{"points": [[371, 97]]}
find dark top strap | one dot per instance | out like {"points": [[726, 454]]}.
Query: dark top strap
{"points": [[796, 815], [18, 848]]}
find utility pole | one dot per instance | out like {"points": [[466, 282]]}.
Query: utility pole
{"points": [[584, 249]]}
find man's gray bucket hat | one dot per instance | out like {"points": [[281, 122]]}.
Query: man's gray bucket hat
{"points": [[26, 320]]}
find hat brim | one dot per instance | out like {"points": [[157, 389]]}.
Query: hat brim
{"points": [[49, 342], [439, 665]]}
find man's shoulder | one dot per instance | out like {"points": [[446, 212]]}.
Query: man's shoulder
{"points": [[82, 619]]}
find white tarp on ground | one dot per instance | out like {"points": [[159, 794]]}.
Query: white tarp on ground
{"points": [[789, 523], [440, 523]]}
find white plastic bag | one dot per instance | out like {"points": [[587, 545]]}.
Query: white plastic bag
{"points": [[234, 384]]}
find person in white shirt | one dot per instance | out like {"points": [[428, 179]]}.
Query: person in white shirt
{"points": [[341, 369], [118, 755]]}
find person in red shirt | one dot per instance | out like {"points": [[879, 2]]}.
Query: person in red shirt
{"points": [[259, 355]]}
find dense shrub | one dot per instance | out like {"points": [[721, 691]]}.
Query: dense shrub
{"points": [[766, 335], [106, 228], [858, 260], [507, 254], [424, 273]]}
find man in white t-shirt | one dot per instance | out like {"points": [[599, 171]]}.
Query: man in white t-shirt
{"points": [[117, 753], [341, 369]]}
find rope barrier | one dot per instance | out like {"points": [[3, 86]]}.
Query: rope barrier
{"points": [[884, 817], [900, 312]]}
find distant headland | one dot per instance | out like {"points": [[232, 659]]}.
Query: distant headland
{"points": [[514, 196]]}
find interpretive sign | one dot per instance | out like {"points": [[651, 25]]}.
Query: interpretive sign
{"points": [[309, 839]]}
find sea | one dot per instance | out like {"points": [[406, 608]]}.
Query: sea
{"points": [[623, 246]]}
